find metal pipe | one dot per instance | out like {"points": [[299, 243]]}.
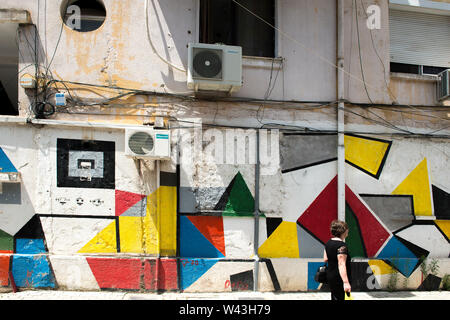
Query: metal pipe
{"points": [[340, 111], [256, 217]]}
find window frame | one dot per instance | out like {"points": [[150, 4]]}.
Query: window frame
{"points": [[276, 43]]}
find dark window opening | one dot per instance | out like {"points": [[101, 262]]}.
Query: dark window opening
{"points": [[7, 107], [415, 69], [9, 64], [223, 21], [84, 15]]}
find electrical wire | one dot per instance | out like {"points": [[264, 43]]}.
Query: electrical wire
{"points": [[317, 104], [151, 42], [320, 56]]}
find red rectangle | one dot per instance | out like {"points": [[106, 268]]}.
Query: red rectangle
{"points": [[160, 274]]}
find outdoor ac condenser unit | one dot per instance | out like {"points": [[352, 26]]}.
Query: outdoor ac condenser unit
{"points": [[147, 143], [214, 67], [443, 85]]}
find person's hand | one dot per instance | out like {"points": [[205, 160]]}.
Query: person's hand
{"points": [[347, 287]]}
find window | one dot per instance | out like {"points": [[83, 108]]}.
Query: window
{"points": [[9, 62], [414, 68], [419, 42], [83, 15], [223, 21]]}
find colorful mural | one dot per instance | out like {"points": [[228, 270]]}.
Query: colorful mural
{"points": [[103, 229]]}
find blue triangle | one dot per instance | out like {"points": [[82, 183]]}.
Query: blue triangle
{"points": [[6, 164], [192, 269], [193, 243], [399, 256]]}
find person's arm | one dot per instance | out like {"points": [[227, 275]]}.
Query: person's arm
{"points": [[342, 258], [325, 257]]}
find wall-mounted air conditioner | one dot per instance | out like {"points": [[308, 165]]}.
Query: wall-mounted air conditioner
{"points": [[147, 143], [214, 67], [443, 85]]}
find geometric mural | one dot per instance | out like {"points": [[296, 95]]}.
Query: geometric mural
{"points": [[283, 242], [417, 184], [441, 202], [215, 249], [373, 232], [29, 267], [400, 257], [6, 164], [317, 217], [426, 235], [366, 154], [237, 199], [198, 242], [395, 211], [299, 151], [137, 217], [85, 163], [130, 204]]}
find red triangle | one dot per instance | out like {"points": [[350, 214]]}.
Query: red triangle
{"points": [[372, 231], [212, 229], [317, 218], [125, 200]]}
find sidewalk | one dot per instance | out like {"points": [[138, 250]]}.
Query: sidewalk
{"points": [[121, 295]]}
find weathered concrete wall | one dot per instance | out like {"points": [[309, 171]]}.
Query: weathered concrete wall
{"points": [[60, 231], [196, 230], [119, 53]]}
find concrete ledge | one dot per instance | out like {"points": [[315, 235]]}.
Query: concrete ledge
{"points": [[15, 16]]}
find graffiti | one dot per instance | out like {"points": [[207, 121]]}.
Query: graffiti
{"points": [[237, 286], [397, 215], [189, 262]]}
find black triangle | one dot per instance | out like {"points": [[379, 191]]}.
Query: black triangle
{"points": [[441, 201], [31, 230], [221, 205]]}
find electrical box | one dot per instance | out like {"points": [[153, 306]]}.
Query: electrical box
{"points": [[27, 81], [60, 99]]}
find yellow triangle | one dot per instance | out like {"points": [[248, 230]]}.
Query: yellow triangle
{"points": [[417, 184], [366, 154], [444, 225], [379, 267], [281, 243], [103, 242]]}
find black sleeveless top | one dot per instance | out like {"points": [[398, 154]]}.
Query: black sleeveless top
{"points": [[333, 248]]}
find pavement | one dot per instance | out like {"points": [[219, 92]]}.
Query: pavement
{"points": [[231, 296]]}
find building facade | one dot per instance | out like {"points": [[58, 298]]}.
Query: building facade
{"points": [[338, 116]]}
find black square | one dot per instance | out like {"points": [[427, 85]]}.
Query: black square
{"points": [[104, 148]]}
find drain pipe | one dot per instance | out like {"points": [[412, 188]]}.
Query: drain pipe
{"points": [[256, 217], [340, 111]]}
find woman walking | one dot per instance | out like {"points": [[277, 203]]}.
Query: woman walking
{"points": [[336, 254]]}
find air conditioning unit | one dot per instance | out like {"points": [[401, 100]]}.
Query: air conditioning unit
{"points": [[214, 67], [443, 85], [147, 143]]}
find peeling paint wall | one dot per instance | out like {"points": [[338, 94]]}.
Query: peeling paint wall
{"points": [[203, 227], [192, 227]]}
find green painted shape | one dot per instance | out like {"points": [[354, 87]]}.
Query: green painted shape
{"points": [[240, 201], [6, 241], [354, 240]]}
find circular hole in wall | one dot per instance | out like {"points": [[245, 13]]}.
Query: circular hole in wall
{"points": [[83, 15]]}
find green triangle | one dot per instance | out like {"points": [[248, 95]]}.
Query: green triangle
{"points": [[240, 201], [6, 241], [354, 239]]}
